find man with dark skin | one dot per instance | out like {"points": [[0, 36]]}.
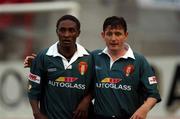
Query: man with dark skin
{"points": [[60, 76]]}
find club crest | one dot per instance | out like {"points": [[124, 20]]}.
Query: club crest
{"points": [[83, 66], [129, 69]]}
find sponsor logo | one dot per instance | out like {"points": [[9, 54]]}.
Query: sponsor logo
{"points": [[111, 80], [67, 82], [34, 78], [152, 80], [129, 69], [113, 83], [66, 79], [67, 85], [83, 66], [114, 86]]}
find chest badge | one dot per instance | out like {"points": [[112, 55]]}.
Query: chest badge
{"points": [[83, 66], [129, 69]]}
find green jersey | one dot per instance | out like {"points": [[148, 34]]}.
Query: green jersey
{"points": [[60, 84], [122, 86]]}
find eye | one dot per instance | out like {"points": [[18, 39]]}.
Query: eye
{"points": [[109, 33], [62, 30], [118, 33], [72, 30]]}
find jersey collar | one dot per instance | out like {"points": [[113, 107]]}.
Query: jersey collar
{"points": [[53, 51], [129, 52]]}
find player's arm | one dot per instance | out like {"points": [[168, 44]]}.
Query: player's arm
{"points": [[141, 112], [151, 92], [36, 111], [28, 60], [34, 95], [85, 107], [81, 111], [35, 77]]}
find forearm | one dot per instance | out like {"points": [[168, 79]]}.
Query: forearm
{"points": [[88, 97], [149, 103], [36, 110], [35, 106], [143, 110], [83, 106]]}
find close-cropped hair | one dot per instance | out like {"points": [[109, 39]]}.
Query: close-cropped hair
{"points": [[69, 17], [115, 21]]}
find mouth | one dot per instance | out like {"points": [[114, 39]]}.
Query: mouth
{"points": [[114, 44], [66, 41]]}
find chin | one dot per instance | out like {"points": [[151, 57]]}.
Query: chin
{"points": [[67, 44], [113, 49]]}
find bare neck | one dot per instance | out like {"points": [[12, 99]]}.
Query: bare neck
{"points": [[67, 52]]}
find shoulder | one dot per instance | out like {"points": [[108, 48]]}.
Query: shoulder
{"points": [[39, 61], [139, 56], [41, 54], [141, 60]]}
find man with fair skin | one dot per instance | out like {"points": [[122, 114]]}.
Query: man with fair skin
{"points": [[61, 75], [125, 85]]}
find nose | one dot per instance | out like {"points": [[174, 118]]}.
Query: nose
{"points": [[66, 33], [113, 37]]}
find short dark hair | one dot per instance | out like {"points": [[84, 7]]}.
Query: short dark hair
{"points": [[115, 21], [69, 17]]}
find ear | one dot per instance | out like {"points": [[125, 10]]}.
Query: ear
{"points": [[103, 34], [78, 33], [57, 31], [126, 35]]}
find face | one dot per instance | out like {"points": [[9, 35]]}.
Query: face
{"points": [[67, 32], [114, 37]]}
